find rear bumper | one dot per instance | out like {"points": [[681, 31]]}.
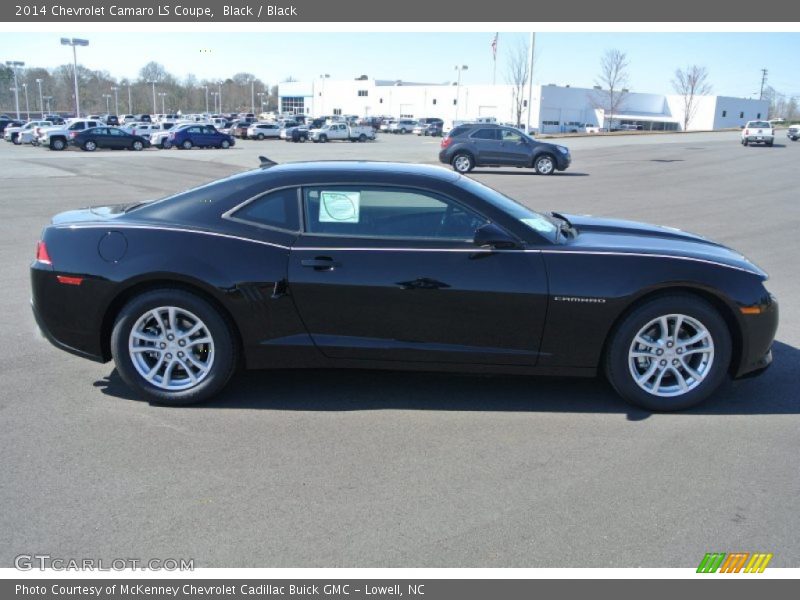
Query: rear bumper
{"points": [[60, 344]]}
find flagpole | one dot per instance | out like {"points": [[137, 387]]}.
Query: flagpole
{"points": [[494, 60], [530, 84]]}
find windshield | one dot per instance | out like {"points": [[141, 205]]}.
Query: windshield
{"points": [[537, 222]]}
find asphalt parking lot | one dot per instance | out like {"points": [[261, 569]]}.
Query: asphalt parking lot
{"points": [[374, 469]]}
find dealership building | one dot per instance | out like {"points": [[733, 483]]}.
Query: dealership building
{"points": [[554, 108]]}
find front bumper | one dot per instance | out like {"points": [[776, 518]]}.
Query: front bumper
{"points": [[758, 334]]}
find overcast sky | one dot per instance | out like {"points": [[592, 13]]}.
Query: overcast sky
{"points": [[734, 60]]}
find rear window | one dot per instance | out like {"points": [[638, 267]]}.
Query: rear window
{"points": [[460, 130], [278, 209], [762, 124]]}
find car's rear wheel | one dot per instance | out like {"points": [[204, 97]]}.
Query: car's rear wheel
{"points": [[186, 145], [669, 353], [463, 162], [166, 145], [173, 346], [90, 146], [545, 164], [137, 145], [362, 138]]}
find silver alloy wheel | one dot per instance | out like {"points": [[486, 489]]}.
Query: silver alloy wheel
{"points": [[137, 145], [91, 146], [462, 163], [671, 355], [544, 165], [171, 348]]}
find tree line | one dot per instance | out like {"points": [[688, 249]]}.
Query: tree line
{"points": [[96, 91]]}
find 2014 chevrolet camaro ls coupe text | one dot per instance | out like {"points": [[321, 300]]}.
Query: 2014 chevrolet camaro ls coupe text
{"points": [[393, 266]]}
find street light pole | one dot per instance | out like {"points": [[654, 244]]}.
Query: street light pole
{"points": [[205, 87], [108, 98], [459, 68], [155, 108], [253, 95], [74, 42], [48, 98], [130, 101], [219, 95], [14, 64], [162, 95], [530, 85], [116, 99], [41, 102], [27, 105]]}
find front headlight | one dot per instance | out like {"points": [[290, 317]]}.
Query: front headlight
{"points": [[563, 149]]}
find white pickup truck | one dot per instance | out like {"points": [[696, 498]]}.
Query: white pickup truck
{"points": [[793, 133], [758, 132], [56, 137], [341, 131]]}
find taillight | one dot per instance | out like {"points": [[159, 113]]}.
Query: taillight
{"points": [[446, 142], [73, 134], [41, 254]]}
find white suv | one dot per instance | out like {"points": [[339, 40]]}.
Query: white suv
{"points": [[758, 132]]}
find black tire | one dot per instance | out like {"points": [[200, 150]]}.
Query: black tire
{"points": [[225, 348], [187, 144], [15, 139], [403, 131], [362, 138], [90, 145], [545, 164], [462, 162], [225, 144], [57, 144], [323, 138], [770, 143], [137, 145], [166, 144], [618, 370], [744, 142], [260, 136]]}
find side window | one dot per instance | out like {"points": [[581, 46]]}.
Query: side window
{"points": [[114, 132], [387, 212], [485, 134], [276, 209], [509, 135]]}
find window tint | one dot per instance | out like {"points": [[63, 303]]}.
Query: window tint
{"points": [[485, 134], [277, 209], [382, 212], [115, 132]]}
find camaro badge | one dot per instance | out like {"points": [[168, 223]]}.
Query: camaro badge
{"points": [[579, 299]]}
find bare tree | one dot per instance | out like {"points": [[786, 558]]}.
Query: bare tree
{"points": [[612, 83], [689, 84], [517, 75]]}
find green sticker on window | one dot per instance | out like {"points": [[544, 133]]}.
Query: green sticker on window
{"points": [[339, 207]]}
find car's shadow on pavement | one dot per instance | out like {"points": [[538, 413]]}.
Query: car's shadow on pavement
{"points": [[524, 171], [775, 392]]}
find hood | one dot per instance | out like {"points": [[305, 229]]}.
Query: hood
{"points": [[618, 235]]}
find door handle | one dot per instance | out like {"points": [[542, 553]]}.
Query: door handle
{"points": [[320, 263]]}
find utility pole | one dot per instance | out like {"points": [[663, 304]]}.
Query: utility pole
{"points": [[763, 81], [530, 85]]}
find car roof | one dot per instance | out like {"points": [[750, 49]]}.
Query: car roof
{"points": [[366, 166]]}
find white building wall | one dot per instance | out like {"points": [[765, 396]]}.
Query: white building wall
{"points": [[550, 103]]}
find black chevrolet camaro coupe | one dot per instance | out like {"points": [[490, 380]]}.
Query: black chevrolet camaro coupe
{"points": [[393, 266]]}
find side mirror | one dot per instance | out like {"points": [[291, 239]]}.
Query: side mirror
{"points": [[495, 237]]}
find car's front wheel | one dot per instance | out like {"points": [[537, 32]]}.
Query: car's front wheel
{"points": [[669, 353], [225, 144], [545, 164], [137, 145], [174, 346]]}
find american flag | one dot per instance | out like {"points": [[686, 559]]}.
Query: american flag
{"points": [[494, 46]]}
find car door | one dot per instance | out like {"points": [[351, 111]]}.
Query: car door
{"points": [[514, 148], [392, 273], [117, 138], [485, 144]]}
